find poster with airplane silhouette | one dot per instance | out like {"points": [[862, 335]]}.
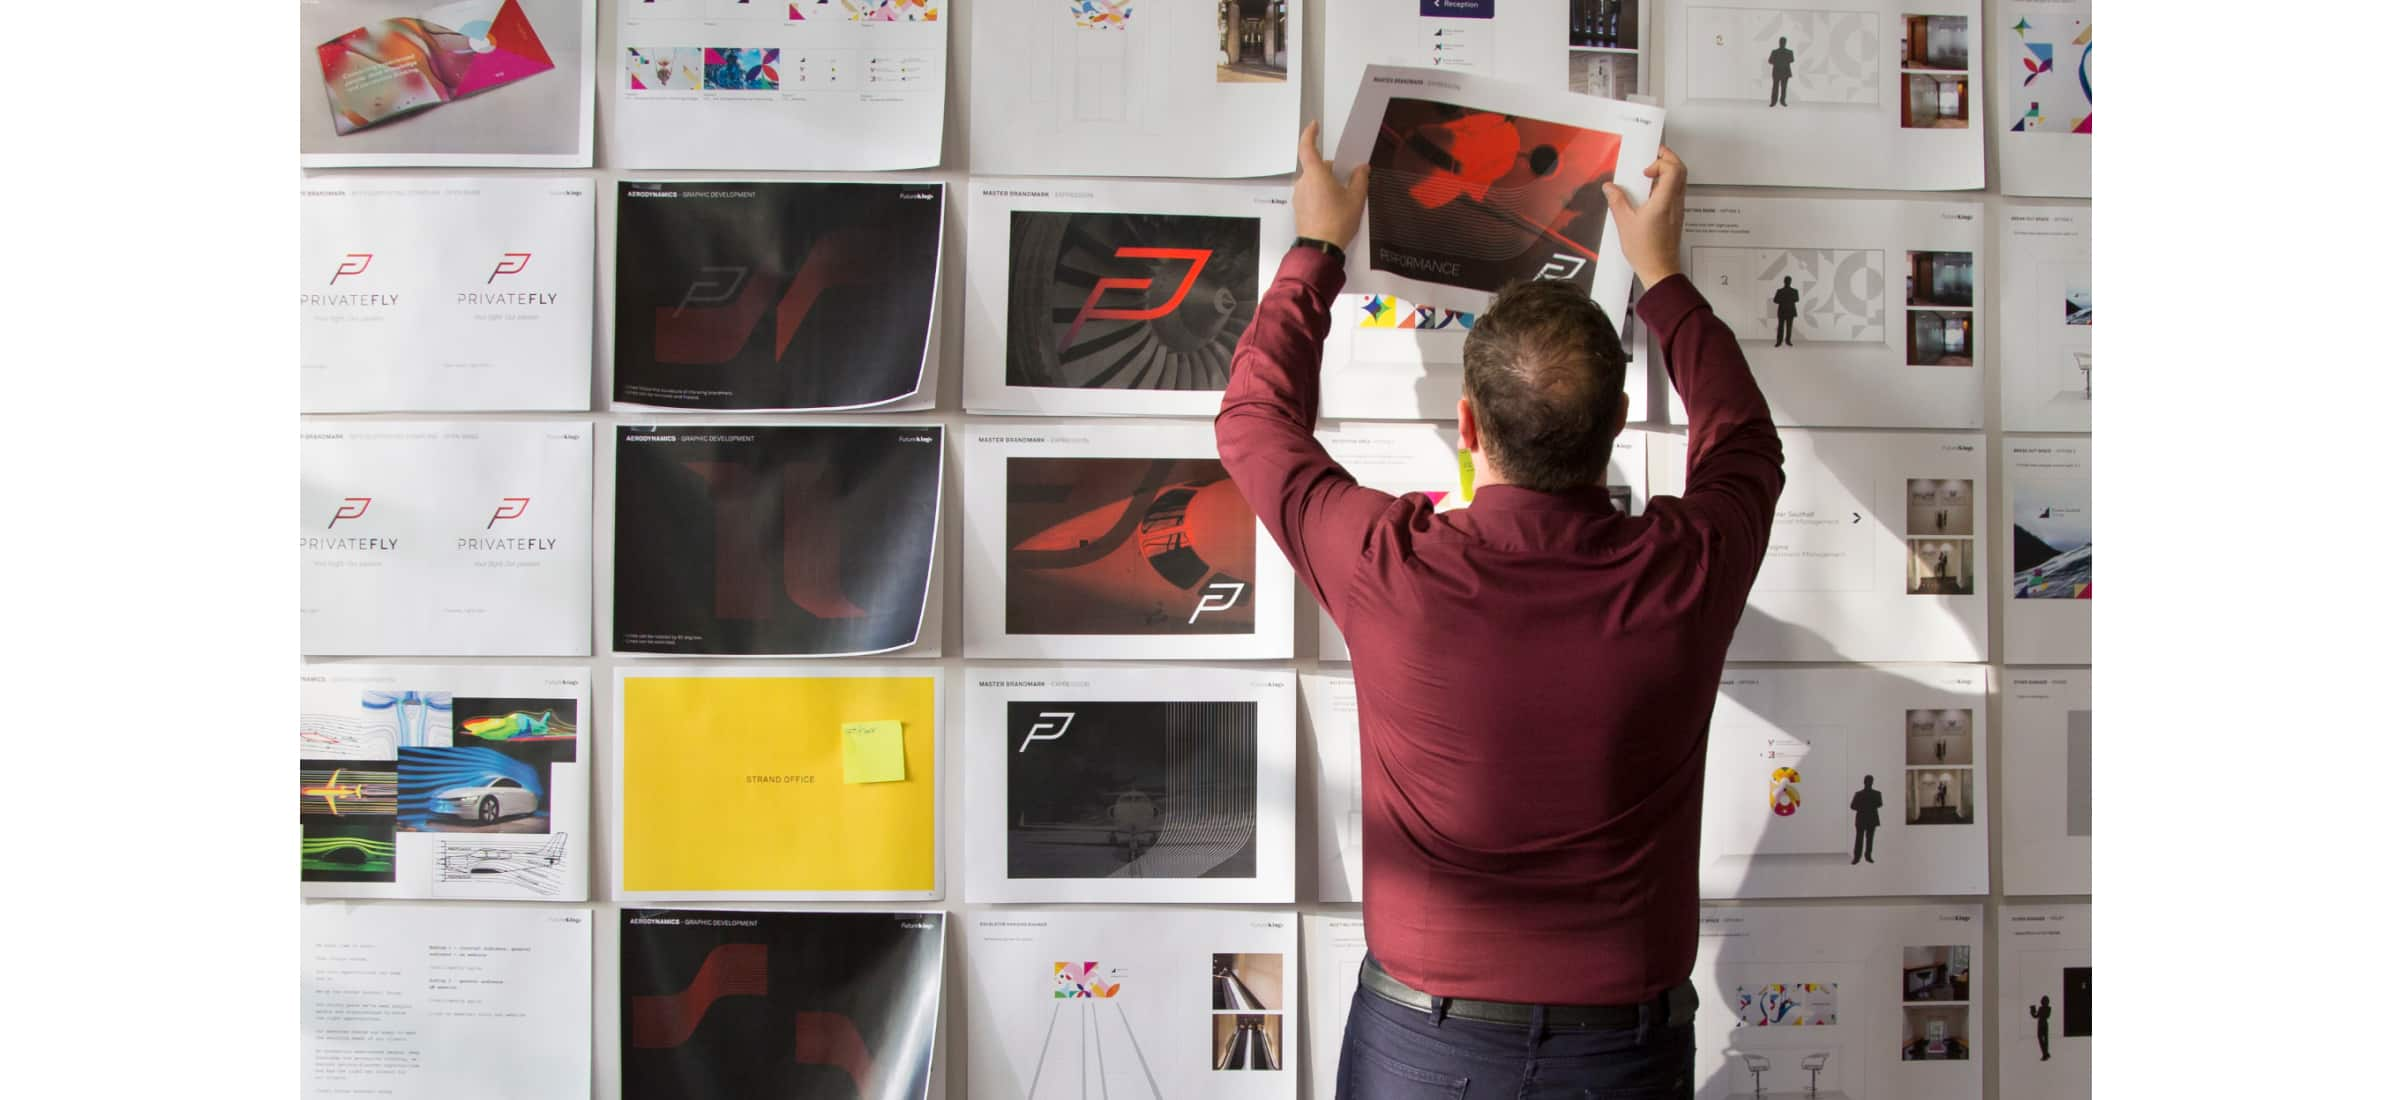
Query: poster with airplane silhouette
{"points": [[431, 781], [777, 540], [1171, 1003], [429, 538], [1115, 541], [1839, 1002], [1477, 183], [1112, 297], [1125, 783]]}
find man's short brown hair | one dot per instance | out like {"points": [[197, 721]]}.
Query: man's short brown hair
{"points": [[1543, 369]]}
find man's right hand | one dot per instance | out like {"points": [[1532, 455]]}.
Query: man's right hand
{"points": [[1649, 234]]}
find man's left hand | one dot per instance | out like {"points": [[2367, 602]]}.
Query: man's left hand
{"points": [[1326, 209]]}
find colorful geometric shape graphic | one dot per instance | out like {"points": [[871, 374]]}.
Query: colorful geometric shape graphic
{"points": [[1077, 980], [1097, 15]]}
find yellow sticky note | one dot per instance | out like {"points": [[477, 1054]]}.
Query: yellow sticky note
{"points": [[875, 751], [1469, 473]]}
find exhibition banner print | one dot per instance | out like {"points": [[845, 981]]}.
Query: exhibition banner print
{"points": [[716, 1002], [1477, 183], [775, 541], [803, 296]]}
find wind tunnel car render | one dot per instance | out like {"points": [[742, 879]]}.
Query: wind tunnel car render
{"points": [[486, 800]]}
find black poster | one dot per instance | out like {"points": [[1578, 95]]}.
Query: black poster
{"points": [[774, 295], [1128, 301], [796, 1006], [1130, 790], [798, 541]]}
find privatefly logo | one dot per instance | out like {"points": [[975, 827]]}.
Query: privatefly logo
{"points": [[354, 263], [509, 263], [1195, 258], [1218, 596], [1562, 266], [508, 508], [714, 286], [1049, 727], [350, 508]]}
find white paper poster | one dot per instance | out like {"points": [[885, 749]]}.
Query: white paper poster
{"points": [[1333, 721], [1333, 951], [2047, 781], [1523, 41], [448, 295], [1088, 297], [444, 538], [2047, 486], [1846, 782], [427, 782], [780, 85], [1136, 87], [453, 83], [2044, 135], [1127, 784], [1877, 93], [1840, 1003], [1875, 553], [1852, 312], [1478, 182], [1174, 1004], [2047, 318], [1116, 541], [433, 1002], [2046, 1001]]}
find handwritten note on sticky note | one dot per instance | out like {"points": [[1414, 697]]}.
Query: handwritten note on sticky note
{"points": [[875, 751]]}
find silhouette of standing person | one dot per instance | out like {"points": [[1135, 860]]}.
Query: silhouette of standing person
{"points": [[1943, 561], [1865, 803], [1943, 517], [1786, 297], [1781, 70], [1941, 789], [1939, 750], [2042, 1015]]}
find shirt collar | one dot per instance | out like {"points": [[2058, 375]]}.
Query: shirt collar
{"points": [[1592, 500]]}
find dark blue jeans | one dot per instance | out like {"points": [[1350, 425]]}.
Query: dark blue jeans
{"points": [[1397, 1053]]}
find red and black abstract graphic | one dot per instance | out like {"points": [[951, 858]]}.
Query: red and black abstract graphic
{"points": [[773, 295], [799, 1005], [1128, 301], [1478, 199], [774, 540], [1126, 546]]}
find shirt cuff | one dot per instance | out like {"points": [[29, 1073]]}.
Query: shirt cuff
{"points": [[1313, 268], [1662, 306]]}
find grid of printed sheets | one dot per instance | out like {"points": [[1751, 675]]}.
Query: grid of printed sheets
{"points": [[859, 594]]}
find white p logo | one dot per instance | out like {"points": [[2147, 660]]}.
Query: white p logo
{"points": [[1562, 267], [1039, 730], [1218, 596], [714, 286]]}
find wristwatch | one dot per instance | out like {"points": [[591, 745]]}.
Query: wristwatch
{"points": [[1335, 253]]}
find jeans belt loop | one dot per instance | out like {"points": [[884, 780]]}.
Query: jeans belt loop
{"points": [[1437, 1007], [1644, 1022]]}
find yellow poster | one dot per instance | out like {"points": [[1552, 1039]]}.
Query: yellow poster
{"points": [[737, 784]]}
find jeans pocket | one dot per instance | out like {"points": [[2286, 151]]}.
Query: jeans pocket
{"points": [[1366, 1074]]}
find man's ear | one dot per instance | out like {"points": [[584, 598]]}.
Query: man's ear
{"points": [[1469, 424], [1619, 416]]}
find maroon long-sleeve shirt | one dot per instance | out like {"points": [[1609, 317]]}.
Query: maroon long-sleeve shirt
{"points": [[1535, 671]]}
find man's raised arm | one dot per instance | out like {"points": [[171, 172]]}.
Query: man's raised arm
{"points": [[1735, 464], [1311, 506]]}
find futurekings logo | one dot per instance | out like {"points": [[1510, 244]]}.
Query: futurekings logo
{"points": [[349, 508]]}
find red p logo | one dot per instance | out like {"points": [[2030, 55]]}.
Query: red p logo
{"points": [[508, 508], [1089, 310], [350, 508], [509, 263], [354, 263]]}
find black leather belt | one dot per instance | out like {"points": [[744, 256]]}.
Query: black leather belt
{"points": [[1675, 1007]]}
